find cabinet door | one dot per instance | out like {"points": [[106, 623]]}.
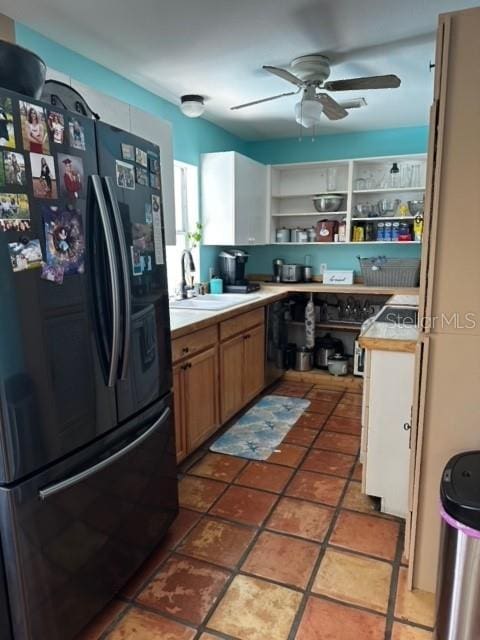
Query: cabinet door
{"points": [[254, 362], [250, 201], [178, 403], [201, 397], [231, 376]]}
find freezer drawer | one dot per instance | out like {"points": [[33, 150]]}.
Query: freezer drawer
{"points": [[73, 535]]}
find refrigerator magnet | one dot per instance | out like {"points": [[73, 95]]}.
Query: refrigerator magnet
{"points": [[157, 229], [77, 134], [71, 175], [65, 239], [52, 273], [128, 152], [148, 213], [56, 125], [154, 181], [14, 212], [25, 255], [141, 157], [43, 176], [142, 176], [12, 169], [7, 129], [34, 128], [142, 236], [136, 261], [125, 174]]}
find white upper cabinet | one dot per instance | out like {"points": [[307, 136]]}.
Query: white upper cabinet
{"points": [[234, 199]]}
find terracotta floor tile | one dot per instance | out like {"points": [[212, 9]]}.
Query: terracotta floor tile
{"points": [[183, 523], [218, 466], [348, 410], [337, 464], [322, 407], [318, 393], [185, 588], [367, 534], [301, 518], [253, 609], [311, 420], [263, 475], [406, 632], [289, 455], [245, 505], [282, 559], [354, 579], [199, 493], [324, 620], [293, 389], [354, 399], [143, 625], [209, 636], [317, 487], [357, 472], [148, 568], [218, 542], [301, 436], [352, 426], [341, 442], [415, 606], [102, 621], [357, 501]]}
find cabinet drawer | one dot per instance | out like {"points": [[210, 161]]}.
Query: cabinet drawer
{"points": [[241, 323], [194, 343]]}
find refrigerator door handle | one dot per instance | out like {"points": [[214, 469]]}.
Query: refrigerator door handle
{"points": [[114, 281], [53, 489], [126, 275]]}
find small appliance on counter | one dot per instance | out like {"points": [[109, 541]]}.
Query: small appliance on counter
{"points": [[277, 270], [232, 272], [325, 348], [338, 365], [291, 273], [304, 359]]}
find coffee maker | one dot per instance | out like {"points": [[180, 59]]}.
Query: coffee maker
{"points": [[232, 271]]}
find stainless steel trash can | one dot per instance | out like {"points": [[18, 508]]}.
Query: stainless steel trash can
{"points": [[458, 584]]}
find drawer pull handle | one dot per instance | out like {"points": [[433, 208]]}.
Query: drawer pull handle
{"points": [[185, 350], [407, 426]]}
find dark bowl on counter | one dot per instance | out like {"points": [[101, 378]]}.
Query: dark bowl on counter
{"points": [[21, 70]]}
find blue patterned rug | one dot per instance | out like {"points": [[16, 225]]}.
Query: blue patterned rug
{"points": [[260, 430]]}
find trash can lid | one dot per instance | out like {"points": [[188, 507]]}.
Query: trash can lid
{"points": [[460, 488]]}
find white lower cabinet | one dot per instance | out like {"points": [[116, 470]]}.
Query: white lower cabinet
{"points": [[387, 429]]}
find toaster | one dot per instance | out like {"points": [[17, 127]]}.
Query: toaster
{"points": [[291, 273]]}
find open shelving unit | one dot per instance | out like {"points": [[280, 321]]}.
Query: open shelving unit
{"points": [[294, 185]]}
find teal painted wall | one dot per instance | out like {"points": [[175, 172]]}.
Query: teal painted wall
{"points": [[191, 137], [363, 144]]}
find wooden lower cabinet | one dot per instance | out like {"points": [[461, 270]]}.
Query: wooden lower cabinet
{"points": [[242, 370], [196, 401]]}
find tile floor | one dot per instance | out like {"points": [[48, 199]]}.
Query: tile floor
{"points": [[287, 549]]}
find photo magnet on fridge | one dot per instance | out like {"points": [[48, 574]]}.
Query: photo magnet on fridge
{"points": [[125, 175], [34, 128], [136, 261], [77, 134], [7, 129], [71, 175], [14, 206], [141, 157], [142, 176], [56, 124], [43, 176], [14, 169], [128, 152], [52, 273], [64, 238], [25, 255], [148, 213]]}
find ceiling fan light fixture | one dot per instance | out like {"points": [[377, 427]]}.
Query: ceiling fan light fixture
{"points": [[192, 105], [308, 112]]}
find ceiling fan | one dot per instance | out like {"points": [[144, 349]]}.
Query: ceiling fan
{"points": [[309, 74]]}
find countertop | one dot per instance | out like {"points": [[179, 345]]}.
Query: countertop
{"points": [[183, 322], [384, 336]]}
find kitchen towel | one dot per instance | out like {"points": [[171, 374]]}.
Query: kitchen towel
{"points": [[260, 430]]}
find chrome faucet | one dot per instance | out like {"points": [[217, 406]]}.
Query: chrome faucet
{"points": [[191, 270]]}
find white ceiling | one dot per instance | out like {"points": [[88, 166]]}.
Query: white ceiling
{"points": [[217, 48]]}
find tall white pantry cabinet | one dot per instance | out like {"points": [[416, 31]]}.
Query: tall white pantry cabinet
{"points": [[447, 414]]}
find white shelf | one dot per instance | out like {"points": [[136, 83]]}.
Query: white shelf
{"points": [[390, 190], [386, 242], [380, 218], [310, 213], [309, 194], [307, 244]]}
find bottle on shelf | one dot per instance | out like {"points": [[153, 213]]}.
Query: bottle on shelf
{"points": [[418, 229], [394, 176]]}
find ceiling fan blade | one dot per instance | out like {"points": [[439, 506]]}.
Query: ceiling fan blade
{"points": [[331, 108], [285, 75], [250, 104], [360, 84]]}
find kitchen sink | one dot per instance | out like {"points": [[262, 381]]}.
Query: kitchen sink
{"points": [[407, 316], [213, 302]]}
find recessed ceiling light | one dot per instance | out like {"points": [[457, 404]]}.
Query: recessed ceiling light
{"points": [[192, 105]]}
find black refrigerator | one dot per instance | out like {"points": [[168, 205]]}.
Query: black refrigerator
{"points": [[87, 454]]}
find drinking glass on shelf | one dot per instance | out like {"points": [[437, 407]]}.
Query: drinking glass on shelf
{"points": [[406, 179], [415, 180], [360, 184], [331, 178]]}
